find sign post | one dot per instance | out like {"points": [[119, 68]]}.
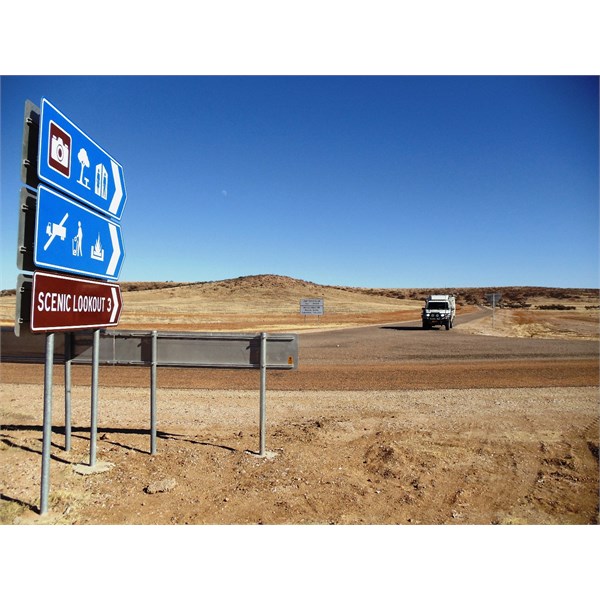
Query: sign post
{"points": [[493, 298], [94, 397], [67, 236], [47, 429]]}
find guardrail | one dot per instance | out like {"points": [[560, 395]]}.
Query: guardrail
{"points": [[143, 348], [174, 349]]}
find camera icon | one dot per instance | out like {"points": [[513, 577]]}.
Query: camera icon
{"points": [[59, 151]]}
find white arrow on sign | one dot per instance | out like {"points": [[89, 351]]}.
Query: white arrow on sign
{"points": [[114, 259], [118, 195], [115, 310]]}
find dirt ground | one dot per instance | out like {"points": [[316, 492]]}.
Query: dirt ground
{"points": [[485, 456], [487, 442]]}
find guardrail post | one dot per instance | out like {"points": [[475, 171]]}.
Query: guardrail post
{"points": [[263, 393], [47, 436], [153, 377]]}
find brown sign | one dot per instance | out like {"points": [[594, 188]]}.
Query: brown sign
{"points": [[61, 303]]}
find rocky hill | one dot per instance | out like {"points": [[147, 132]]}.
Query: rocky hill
{"points": [[268, 284]]}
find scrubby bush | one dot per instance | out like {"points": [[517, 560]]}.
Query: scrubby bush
{"points": [[555, 307]]}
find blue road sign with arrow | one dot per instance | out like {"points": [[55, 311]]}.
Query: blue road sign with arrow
{"points": [[72, 162], [70, 237]]}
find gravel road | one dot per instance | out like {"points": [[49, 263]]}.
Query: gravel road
{"points": [[409, 342]]}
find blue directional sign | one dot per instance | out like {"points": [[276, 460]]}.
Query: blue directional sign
{"points": [[72, 238], [72, 162]]}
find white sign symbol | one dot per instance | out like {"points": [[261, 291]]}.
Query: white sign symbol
{"points": [[97, 252], [59, 157], [78, 241], [85, 163], [54, 230], [101, 186]]}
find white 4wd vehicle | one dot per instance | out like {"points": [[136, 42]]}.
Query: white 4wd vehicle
{"points": [[440, 309]]}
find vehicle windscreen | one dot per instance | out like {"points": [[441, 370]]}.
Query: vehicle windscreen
{"points": [[437, 305]]}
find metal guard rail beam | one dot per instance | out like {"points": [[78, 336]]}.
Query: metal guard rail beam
{"points": [[174, 349]]}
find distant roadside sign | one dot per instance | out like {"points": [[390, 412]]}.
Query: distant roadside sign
{"points": [[71, 161], [494, 298], [63, 303], [311, 306], [70, 237]]}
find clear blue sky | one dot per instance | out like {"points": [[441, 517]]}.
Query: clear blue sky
{"points": [[394, 181]]}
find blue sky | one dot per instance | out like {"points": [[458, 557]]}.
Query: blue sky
{"points": [[391, 181]]}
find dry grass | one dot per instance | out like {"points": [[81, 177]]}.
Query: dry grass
{"points": [[581, 323], [272, 303]]}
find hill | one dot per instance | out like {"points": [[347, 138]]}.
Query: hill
{"points": [[512, 296], [257, 300]]}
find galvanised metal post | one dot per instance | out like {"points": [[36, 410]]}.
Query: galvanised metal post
{"points": [[94, 410], [46, 442], [263, 393], [68, 359], [153, 376]]}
